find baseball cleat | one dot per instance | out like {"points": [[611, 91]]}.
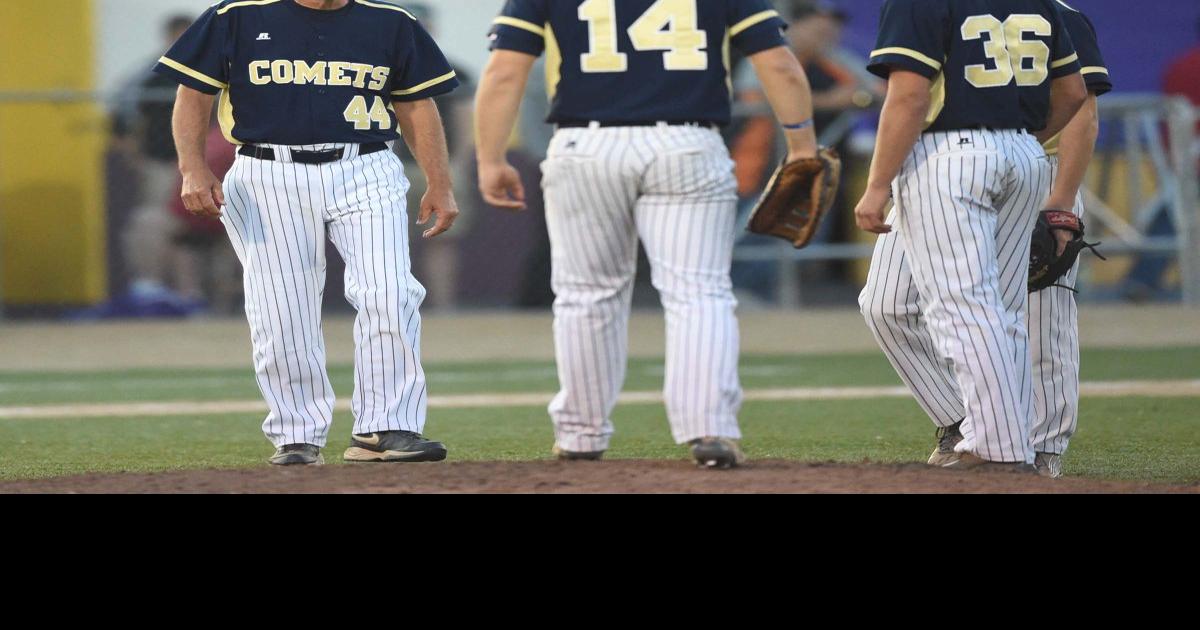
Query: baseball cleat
{"points": [[297, 455], [393, 446], [717, 452], [948, 438], [565, 455], [971, 461], [1049, 465]]}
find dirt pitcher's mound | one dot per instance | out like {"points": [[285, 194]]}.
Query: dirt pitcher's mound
{"points": [[620, 476]]}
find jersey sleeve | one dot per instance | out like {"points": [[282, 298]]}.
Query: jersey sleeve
{"points": [[422, 70], [520, 27], [200, 59], [1064, 61], [912, 36], [755, 26], [1083, 35]]}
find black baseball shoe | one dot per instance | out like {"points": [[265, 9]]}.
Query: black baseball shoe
{"points": [[394, 446], [565, 455], [947, 439], [297, 455], [711, 452]]}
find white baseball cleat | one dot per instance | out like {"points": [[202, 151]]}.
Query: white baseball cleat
{"points": [[971, 461]]}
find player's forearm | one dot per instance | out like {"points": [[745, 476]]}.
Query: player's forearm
{"points": [[497, 103], [189, 125], [421, 127], [790, 95], [1067, 95], [1075, 149], [900, 124]]}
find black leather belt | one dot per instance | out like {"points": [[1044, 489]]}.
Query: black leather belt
{"points": [[637, 123], [310, 157]]}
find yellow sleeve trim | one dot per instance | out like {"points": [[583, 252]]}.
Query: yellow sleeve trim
{"points": [[1065, 61], [246, 3], [1095, 70], [757, 18], [426, 85], [521, 24], [908, 52], [386, 6], [199, 76]]}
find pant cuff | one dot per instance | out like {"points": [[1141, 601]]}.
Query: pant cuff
{"points": [[582, 443]]}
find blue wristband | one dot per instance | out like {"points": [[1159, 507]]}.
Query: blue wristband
{"points": [[797, 126]]}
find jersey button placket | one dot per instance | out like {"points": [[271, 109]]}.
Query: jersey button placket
{"points": [[320, 54]]}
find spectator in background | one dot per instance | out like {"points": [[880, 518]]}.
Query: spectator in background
{"points": [[1147, 278], [456, 109], [815, 35], [205, 267], [144, 117], [1183, 74]]}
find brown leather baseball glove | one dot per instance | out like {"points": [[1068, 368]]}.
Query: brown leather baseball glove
{"points": [[798, 195]]}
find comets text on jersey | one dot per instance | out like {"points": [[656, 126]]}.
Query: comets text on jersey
{"points": [[335, 73]]}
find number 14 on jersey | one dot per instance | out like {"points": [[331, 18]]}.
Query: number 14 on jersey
{"points": [[668, 25]]}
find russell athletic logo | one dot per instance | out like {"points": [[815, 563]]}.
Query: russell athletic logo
{"points": [[262, 37]]}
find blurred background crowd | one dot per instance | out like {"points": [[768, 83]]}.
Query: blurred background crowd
{"points": [[145, 256]]}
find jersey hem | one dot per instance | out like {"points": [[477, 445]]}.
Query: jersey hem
{"points": [[504, 20], [189, 77], [420, 87], [745, 24], [244, 3]]}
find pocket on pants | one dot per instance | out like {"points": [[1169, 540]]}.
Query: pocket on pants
{"points": [[971, 179], [558, 170], [692, 172]]}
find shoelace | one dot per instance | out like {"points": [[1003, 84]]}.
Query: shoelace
{"points": [[1095, 252], [946, 436]]}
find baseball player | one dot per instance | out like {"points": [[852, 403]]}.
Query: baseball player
{"points": [[638, 90], [1053, 330], [970, 84], [314, 92], [1053, 325]]}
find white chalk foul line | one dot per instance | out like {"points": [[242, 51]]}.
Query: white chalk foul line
{"points": [[1112, 389]]}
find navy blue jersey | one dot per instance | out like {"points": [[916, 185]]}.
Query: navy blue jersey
{"points": [[991, 61], [1083, 35], [638, 60], [288, 74]]}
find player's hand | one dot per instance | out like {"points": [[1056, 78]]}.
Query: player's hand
{"points": [[501, 186], [201, 193], [869, 214], [439, 202], [1063, 238]]}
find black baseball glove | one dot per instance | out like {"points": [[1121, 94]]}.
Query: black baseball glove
{"points": [[1046, 264]]}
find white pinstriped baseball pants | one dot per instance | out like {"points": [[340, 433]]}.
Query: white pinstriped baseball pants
{"points": [[946, 295], [673, 187], [278, 214], [1054, 345]]}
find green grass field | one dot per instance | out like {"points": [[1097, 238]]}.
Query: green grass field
{"points": [[1140, 438]]}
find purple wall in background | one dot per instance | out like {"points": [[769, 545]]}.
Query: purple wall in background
{"points": [[1138, 37]]}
